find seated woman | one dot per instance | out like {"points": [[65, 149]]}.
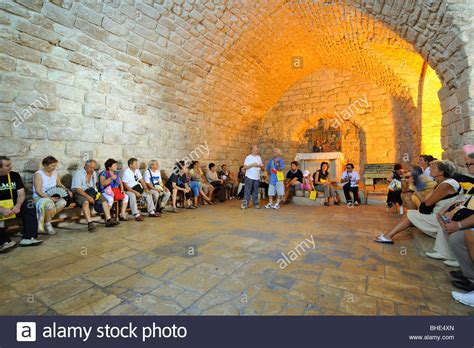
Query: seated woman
{"points": [[111, 187], [195, 174], [446, 192], [226, 176], [263, 185], [217, 183], [241, 179], [322, 183], [179, 181], [424, 162], [44, 181], [394, 195], [415, 187]]}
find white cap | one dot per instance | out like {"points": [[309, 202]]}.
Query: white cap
{"points": [[306, 173]]}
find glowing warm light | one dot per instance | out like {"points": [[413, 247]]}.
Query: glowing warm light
{"points": [[431, 115]]}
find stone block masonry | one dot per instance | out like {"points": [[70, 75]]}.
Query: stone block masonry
{"points": [[155, 79]]}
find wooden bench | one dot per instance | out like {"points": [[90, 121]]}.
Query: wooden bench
{"points": [[69, 213], [374, 173]]}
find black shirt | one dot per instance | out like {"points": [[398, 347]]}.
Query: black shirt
{"points": [[179, 180], [318, 175], [298, 174], [17, 184]]}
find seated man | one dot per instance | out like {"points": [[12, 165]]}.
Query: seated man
{"points": [[12, 202], [178, 181], [218, 184], [294, 179], [350, 179], [160, 192], [136, 189], [84, 187]]}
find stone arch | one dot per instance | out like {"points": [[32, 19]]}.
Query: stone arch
{"points": [[157, 79]]}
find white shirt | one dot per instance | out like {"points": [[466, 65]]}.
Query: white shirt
{"points": [[155, 175], [354, 177], [254, 172], [48, 181], [79, 180], [427, 172], [131, 178]]}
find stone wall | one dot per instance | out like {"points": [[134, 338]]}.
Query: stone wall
{"points": [[156, 79], [365, 113]]}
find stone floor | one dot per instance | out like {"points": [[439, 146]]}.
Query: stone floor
{"points": [[147, 268]]}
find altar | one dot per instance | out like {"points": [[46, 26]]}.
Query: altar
{"points": [[312, 162]]}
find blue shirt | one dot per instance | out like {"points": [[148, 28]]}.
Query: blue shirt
{"points": [[273, 164]]}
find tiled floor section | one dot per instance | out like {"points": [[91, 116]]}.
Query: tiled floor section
{"points": [[145, 268]]}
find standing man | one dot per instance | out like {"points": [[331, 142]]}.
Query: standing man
{"points": [[136, 189], [253, 165], [13, 202], [276, 185], [84, 187], [350, 179]]}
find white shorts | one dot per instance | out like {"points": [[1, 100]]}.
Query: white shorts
{"points": [[110, 199], [278, 188]]}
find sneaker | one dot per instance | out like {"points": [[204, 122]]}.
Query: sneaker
{"points": [[49, 229], [383, 239], [435, 256], [243, 206], [451, 263], [256, 206], [356, 204], [30, 242], [464, 298], [7, 246], [276, 206], [269, 205]]}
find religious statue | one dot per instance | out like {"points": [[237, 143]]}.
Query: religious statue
{"points": [[324, 137]]}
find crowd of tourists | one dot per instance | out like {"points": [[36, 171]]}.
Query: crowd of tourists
{"points": [[430, 195]]}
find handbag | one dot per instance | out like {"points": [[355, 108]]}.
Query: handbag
{"points": [[118, 195], [313, 194], [138, 188], [8, 203], [280, 175]]}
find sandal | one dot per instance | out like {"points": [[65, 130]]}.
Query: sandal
{"points": [[123, 218]]}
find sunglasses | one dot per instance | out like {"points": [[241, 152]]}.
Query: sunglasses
{"points": [[469, 164]]}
